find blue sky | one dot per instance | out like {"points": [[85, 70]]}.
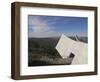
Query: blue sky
{"points": [[53, 26]]}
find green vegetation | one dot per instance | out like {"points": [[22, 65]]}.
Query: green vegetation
{"points": [[39, 48]]}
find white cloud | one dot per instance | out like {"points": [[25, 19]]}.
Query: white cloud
{"points": [[41, 28], [39, 25]]}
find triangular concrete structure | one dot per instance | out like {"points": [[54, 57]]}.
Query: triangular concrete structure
{"points": [[66, 46]]}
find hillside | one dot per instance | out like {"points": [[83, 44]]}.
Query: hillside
{"points": [[41, 51]]}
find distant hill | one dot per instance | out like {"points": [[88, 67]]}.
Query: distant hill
{"points": [[83, 39]]}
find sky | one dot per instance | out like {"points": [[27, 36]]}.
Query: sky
{"points": [[54, 26]]}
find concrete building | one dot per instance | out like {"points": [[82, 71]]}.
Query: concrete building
{"points": [[74, 49]]}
